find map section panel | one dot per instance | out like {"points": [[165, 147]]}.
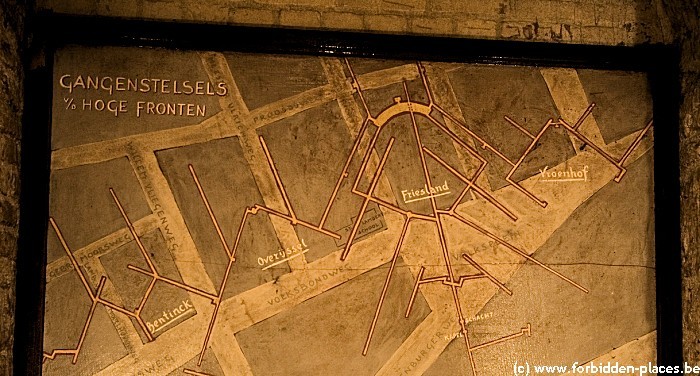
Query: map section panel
{"points": [[231, 213], [230, 189]]}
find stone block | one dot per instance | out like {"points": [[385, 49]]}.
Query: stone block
{"points": [[165, 10], [300, 18], [361, 6], [342, 21], [9, 149], [9, 212], [585, 14], [432, 25], [413, 6], [208, 12], [296, 3], [476, 28], [252, 16], [120, 8], [459, 7], [386, 23], [9, 179]]}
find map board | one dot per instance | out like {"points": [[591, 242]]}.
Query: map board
{"points": [[227, 213]]}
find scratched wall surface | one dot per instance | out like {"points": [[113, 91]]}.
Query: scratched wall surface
{"points": [[609, 22], [11, 105], [357, 217]]}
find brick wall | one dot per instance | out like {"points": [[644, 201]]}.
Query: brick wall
{"points": [[11, 92], [609, 22]]}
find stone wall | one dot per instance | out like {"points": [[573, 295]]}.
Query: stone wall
{"points": [[609, 22], [684, 18], [11, 104]]}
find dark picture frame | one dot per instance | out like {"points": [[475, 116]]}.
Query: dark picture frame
{"points": [[53, 31]]}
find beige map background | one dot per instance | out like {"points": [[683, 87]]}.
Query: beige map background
{"points": [[169, 217]]}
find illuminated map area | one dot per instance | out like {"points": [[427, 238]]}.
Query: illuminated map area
{"points": [[245, 214]]}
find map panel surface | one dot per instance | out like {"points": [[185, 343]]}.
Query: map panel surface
{"points": [[249, 214]]}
